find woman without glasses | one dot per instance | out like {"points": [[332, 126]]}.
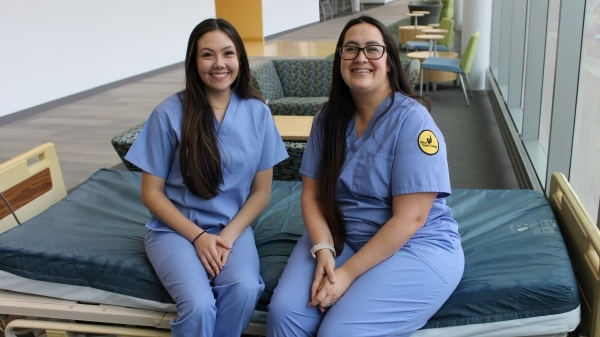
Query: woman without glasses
{"points": [[207, 155], [382, 252]]}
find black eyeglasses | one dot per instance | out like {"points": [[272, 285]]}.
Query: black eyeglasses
{"points": [[372, 52]]}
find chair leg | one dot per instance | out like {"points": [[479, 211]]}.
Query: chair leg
{"points": [[421, 87], [468, 85], [428, 81], [462, 84]]}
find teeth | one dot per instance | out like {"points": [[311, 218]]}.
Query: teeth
{"points": [[219, 75], [361, 70]]}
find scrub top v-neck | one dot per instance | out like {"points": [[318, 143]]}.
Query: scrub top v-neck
{"points": [[402, 151], [248, 142]]}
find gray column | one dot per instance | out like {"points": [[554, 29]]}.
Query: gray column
{"points": [[458, 15], [477, 16]]}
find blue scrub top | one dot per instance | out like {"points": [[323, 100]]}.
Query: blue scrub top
{"points": [[402, 151], [248, 140]]}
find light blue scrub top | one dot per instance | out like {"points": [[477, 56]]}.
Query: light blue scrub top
{"points": [[397, 154], [248, 141]]}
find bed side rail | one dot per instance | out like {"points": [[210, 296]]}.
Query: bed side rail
{"points": [[582, 238], [31, 182], [61, 329]]}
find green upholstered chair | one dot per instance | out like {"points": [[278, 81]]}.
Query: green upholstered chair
{"points": [[293, 86], [444, 44], [460, 66], [447, 9]]}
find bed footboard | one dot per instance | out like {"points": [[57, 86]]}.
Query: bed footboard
{"points": [[31, 182], [582, 238]]}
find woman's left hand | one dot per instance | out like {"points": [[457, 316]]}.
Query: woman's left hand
{"points": [[328, 293], [223, 254]]}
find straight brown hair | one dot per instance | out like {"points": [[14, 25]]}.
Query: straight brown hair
{"points": [[338, 112], [199, 156]]}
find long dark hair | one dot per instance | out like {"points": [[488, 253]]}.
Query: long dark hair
{"points": [[199, 156], [337, 114]]}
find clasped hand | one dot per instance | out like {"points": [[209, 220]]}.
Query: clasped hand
{"points": [[213, 251], [329, 284]]}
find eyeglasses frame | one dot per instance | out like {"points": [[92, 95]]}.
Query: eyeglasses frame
{"points": [[363, 50]]}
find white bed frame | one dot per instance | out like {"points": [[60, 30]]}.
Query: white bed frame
{"points": [[32, 182]]}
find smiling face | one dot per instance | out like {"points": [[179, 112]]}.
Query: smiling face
{"points": [[362, 75], [217, 62]]}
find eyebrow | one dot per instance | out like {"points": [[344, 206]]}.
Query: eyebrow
{"points": [[368, 43], [222, 49]]}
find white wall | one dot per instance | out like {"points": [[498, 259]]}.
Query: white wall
{"points": [[54, 49], [282, 15], [375, 1]]}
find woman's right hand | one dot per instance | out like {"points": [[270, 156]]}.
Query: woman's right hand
{"points": [[325, 268], [206, 248]]}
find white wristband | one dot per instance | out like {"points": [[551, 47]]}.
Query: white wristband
{"points": [[320, 246]]}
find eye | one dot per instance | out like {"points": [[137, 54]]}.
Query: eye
{"points": [[350, 49], [230, 53], [373, 49], [206, 54]]}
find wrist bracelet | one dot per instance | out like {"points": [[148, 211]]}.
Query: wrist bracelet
{"points": [[320, 246], [196, 238]]}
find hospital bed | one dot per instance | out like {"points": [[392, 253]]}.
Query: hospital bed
{"points": [[77, 262]]}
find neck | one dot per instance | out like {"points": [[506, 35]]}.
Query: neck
{"points": [[367, 105], [219, 100]]}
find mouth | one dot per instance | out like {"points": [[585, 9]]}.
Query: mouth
{"points": [[219, 75], [362, 71]]}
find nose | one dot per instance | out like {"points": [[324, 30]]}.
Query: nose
{"points": [[361, 57], [219, 62]]}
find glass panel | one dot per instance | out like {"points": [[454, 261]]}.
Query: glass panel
{"points": [[549, 68], [495, 38], [524, 80], [585, 159]]}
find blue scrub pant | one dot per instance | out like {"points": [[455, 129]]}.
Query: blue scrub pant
{"points": [[394, 298], [222, 307]]}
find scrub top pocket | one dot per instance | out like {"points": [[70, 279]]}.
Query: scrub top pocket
{"points": [[372, 174]]}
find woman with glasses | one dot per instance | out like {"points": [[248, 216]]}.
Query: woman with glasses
{"points": [[382, 252]]}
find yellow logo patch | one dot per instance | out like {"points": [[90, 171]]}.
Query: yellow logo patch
{"points": [[428, 142]]}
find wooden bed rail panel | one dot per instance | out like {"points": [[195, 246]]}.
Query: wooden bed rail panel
{"points": [[582, 238], [31, 182]]}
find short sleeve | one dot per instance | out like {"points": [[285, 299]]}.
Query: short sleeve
{"points": [[154, 149], [273, 150], [420, 162], [311, 159]]}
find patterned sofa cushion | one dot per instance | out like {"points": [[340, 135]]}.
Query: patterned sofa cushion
{"points": [[123, 141], [265, 79], [289, 168], [298, 106], [304, 77], [411, 69], [301, 86]]}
